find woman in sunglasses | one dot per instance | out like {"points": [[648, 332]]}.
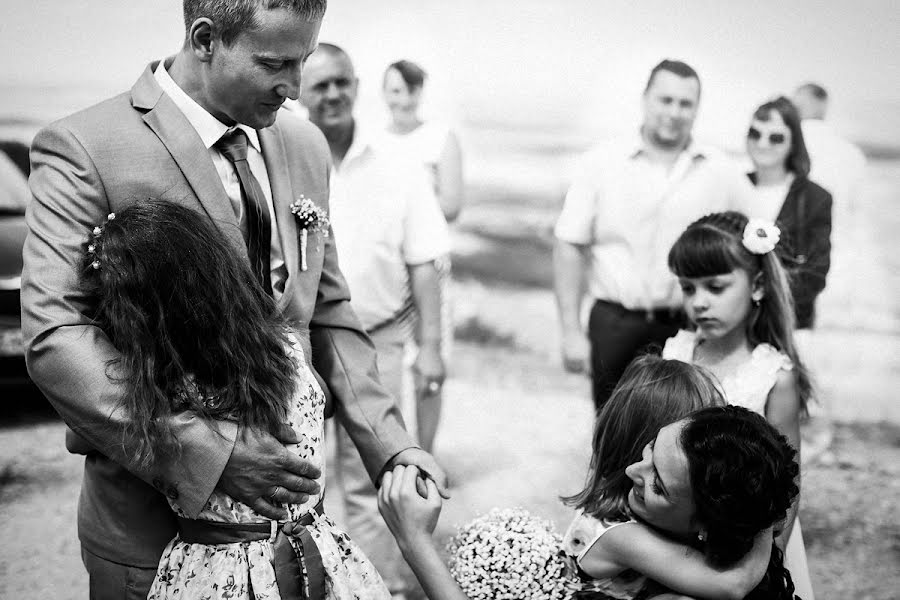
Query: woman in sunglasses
{"points": [[785, 194]]}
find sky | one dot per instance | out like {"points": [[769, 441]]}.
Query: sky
{"points": [[567, 67]]}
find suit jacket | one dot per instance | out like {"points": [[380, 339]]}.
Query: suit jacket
{"points": [[805, 249], [139, 145]]}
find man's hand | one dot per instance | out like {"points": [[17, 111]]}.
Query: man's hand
{"points": [[429, 469], [428, 369], [576, 353], [262, 472]]}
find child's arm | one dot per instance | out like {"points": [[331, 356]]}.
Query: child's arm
{"points": [[674, 565], [783, 411], [412, 519]]}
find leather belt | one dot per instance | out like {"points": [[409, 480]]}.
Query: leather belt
{"points": [[297, 575]]}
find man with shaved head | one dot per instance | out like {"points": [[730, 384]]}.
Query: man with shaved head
{"points": [[202, 128], [389, 230]]}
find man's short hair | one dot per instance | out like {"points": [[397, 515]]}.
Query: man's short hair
{"points": [[682, 69], [232, 17], [815, 90]]}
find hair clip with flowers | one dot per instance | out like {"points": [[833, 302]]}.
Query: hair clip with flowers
{"points": [[760, 236], [310, 217], [93, 246]]}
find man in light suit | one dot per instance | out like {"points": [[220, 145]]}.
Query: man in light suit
{"points": [[163, 139]]}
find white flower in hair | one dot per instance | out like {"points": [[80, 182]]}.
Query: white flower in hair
{"points": [[761, 236]]}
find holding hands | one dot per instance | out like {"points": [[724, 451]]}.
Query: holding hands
{"points": [[410, 515]]}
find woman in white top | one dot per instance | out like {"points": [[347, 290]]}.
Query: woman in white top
{"points": [[436, 147]]}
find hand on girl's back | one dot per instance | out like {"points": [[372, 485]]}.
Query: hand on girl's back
{"points": [[263, 474]]}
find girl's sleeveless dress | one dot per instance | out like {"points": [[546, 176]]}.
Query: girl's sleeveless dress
{"points": [[750, 388], [582, 534], [243, 571]]}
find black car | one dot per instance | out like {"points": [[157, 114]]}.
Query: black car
{"points": [[14, 170]]}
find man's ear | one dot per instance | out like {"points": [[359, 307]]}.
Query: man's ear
{"points": [[200, 38], [758, 287]]}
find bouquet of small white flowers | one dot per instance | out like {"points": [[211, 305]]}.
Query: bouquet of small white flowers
{"points": [[509, 553]]}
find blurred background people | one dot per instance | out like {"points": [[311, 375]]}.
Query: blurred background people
{"points": [[389, 232], [626, 206], [434, 145], [836, 163], [785, 194]]}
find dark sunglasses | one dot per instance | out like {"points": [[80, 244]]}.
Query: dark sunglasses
{"points": [[774, 138]]}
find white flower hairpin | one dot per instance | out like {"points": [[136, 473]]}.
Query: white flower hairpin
{"points": [[760, 236], [97, 232], [310, 217]]}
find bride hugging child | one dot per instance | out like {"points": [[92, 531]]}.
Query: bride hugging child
{"points": [[675, 497]]}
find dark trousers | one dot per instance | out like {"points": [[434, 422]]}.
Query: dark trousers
{"points": [[618, 335], [113, 581]]}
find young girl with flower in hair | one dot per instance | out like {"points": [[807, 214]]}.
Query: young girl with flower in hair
{"points": [[736, 294], [198, 334], [660, 503]]}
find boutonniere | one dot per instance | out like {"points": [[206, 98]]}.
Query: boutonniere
{"points": [[310, 217]]}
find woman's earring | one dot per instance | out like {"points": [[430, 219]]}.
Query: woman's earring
{"points": [[757, 302], [701, 536]]}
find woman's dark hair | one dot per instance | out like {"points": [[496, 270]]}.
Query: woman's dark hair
{"points": [[652, 393], [194, 328], [797, 159], [743, 474], [713, 245], [412, 74]]}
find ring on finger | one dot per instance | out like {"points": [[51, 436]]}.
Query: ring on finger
{"points": [[274, 492]]}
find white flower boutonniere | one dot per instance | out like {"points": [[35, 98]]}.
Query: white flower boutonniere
{"points": [[310, 217], [761, 236]]}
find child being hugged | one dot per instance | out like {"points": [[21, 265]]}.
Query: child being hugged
{"points": [[197, 333], [736, 294], [684, 497]]}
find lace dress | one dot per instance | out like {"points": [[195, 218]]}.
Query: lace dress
{"points": [[749, 387], [582, 534], [243, 571]]}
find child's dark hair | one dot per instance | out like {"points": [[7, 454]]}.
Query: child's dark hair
{"points": [[712, 245], [652, 393], [743, 474], [194, 328]]}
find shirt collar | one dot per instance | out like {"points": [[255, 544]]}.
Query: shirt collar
{"points": [[361, 145], [209, 128], [638, 146]]}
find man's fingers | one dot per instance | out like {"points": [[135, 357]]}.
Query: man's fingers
{"points": [[287, 435], [267, 509], [295, 483], [431, 493], [296, 465]]}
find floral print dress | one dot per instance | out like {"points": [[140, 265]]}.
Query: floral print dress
{"points": [[243, 571]]}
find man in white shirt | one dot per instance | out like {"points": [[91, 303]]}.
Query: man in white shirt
{"points": [[625, 208], [389, 230]]}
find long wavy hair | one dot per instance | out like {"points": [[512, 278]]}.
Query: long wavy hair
{"points": [[194, 329], [743, 474], [712, 245], [652, 393]]}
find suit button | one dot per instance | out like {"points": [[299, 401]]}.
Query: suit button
{"points": [[158, 483], [172, 493]]}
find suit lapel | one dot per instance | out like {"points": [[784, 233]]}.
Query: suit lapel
{"points": [[274, 154], [189, 153]]}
